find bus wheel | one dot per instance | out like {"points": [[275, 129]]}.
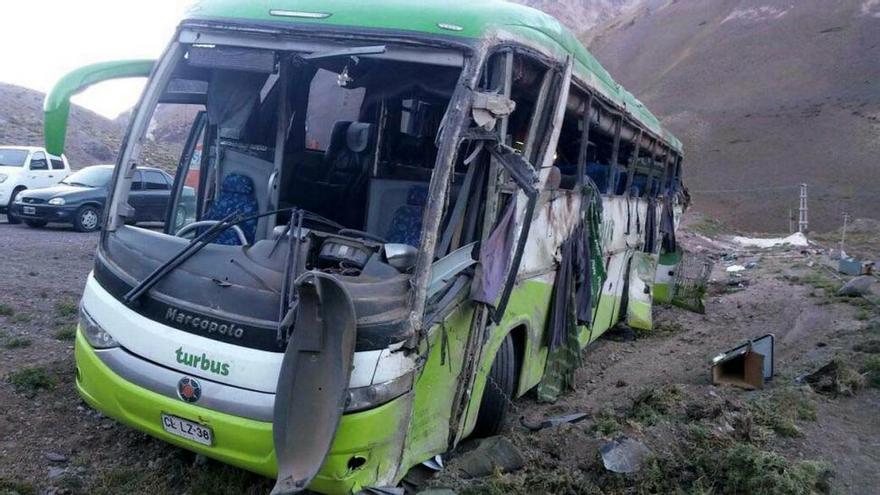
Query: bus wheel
{"points": [[498, 393]]}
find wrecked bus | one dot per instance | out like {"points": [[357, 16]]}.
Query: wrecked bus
{"points": [[404, 218]]}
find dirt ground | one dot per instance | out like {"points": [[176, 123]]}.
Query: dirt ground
{"points": [[652, 387]]}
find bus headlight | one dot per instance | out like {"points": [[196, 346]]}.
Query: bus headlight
{"points": [[57, 201], [94, 334], [363, 398]]}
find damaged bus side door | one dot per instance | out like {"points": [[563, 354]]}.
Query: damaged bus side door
{"points": [[517, 172]]}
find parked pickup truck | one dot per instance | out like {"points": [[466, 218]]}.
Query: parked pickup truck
{"points": [[27, 167]]}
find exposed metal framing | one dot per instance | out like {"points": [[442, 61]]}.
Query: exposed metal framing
{"points": [[633, 163], [586, 119], [615, 154]]}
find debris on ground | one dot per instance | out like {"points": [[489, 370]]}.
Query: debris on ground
{"points": [[795, 240], [854, 267], [488, 456], [836, 379], [554, 422], [735, 269], [857, 287], [624, 455]]}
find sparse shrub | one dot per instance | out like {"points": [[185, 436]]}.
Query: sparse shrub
{"points": [[66, 308], [21, 318], [872, 371], [17, 343], [606, 423], [869, 347], [13, 487], [6, 310], [29, 381], [66, 333], [651, 405]]}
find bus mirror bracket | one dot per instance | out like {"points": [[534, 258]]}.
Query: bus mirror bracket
{"points": [[488, 108], [56, 107]]}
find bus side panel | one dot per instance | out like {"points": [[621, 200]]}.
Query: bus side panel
{"points": [[529, 304], [434, 390]]}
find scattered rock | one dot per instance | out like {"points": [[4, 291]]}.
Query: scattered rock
{"points": [[624, 455], [621, 384], [56, 472], [491, 455], [56, 457], [835, 379], [858, 286]]}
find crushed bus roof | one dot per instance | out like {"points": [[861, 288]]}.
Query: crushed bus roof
{"points": [[461, 18]]}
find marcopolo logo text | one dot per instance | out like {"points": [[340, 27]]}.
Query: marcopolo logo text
{"points": [[204, 324], [202, 362]]}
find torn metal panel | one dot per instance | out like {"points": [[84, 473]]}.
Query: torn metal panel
{"points": [[312, 387]]}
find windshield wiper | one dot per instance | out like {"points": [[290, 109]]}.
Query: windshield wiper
{"points": [[76, 184], [202, 240], [346, 52]]}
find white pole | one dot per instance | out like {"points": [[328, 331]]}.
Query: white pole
{"points": [[803, 221]]}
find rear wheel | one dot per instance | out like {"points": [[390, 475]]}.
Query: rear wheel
{"points": [[88, 219], [36, 223], [12, 219], [499, 391]]}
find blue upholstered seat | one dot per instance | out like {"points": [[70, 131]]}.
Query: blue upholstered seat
{"points": [[406, 224], [236, 196]]}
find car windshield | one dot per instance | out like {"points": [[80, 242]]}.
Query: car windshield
{"points": [[90, 177], [10, 157]]}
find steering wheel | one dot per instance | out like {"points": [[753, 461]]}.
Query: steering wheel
{"points": [[210, 223]]}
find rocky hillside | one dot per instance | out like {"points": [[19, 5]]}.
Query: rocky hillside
{"points": [[582, 15], [765, 94], [92, 139]]}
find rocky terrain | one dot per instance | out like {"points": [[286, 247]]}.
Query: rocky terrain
{"points": [[91, 140], [652, 388]]}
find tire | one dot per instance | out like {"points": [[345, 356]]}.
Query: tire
{"points": [[499, 391], [36, 223], [87, 219], [10, 218]]}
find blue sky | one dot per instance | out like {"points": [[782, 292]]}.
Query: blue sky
{"points": [[41, 40]]}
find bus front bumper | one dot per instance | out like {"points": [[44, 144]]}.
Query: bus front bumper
{"points": [[365, 451]]}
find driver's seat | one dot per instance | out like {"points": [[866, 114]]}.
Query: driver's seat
{"points": [[236, 196]]}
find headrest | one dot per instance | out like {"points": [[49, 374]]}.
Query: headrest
{"points": [[237, 184], [358, 136], [417, 196]]}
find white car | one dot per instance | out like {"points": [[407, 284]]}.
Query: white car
{"points": [[27, 167]]}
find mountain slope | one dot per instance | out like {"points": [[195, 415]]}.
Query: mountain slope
{"points": [[91, 139], [765, 95]]}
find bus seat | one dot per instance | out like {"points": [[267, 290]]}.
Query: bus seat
{"points": [[236, 196], [259, 171], [348, 167], [406, 224], [600, 173]]}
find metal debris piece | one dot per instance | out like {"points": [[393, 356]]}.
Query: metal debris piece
{"points": [[624, 455], [691, 280], [553, 422], [434, 464], [388, 490]]}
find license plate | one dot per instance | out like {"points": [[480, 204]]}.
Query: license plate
{"points": [[29, 210], [187, 429]]}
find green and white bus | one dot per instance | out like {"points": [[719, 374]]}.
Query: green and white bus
{"points": [[405, 216]]}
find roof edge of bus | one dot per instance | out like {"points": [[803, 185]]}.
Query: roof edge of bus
{"points": [[462, 19]]}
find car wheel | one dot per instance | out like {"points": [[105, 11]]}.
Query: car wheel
{"points": [[498, 392], [88, 219], [36, 223], [12, 219]]}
